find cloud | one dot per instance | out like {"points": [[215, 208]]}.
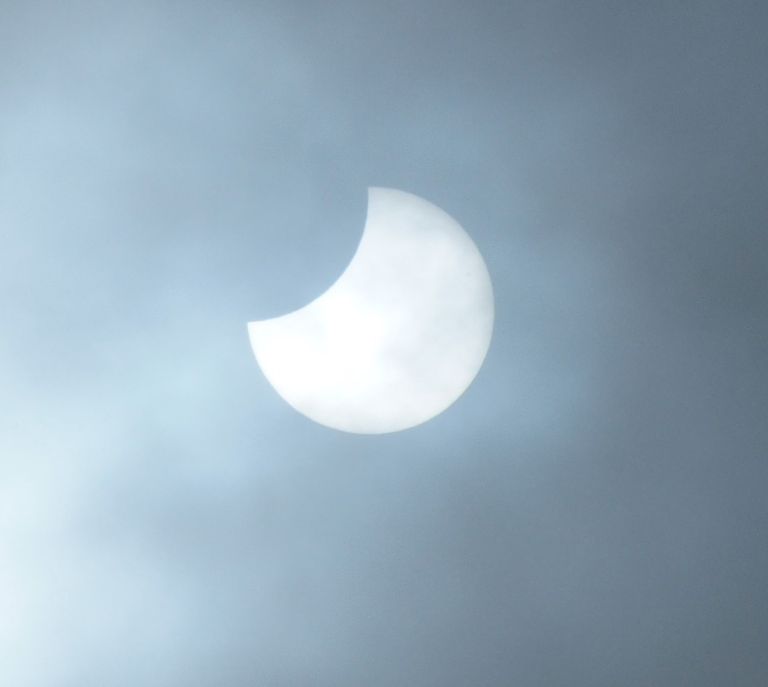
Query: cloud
{"points": [[589, 512]]}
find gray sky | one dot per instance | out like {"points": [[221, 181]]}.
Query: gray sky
{"points": [[591, 513]]}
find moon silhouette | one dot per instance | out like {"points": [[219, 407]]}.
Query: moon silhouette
{"points": [[398, 337]]}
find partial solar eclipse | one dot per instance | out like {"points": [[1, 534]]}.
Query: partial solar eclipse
{"points": [[398, 337]]}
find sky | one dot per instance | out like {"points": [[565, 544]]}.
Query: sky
{"points": [[590, 513]]}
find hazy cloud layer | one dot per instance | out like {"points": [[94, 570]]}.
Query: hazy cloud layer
{"points": [[592, 512]]}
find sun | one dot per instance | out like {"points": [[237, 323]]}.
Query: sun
{"points": [[398, 337]]}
